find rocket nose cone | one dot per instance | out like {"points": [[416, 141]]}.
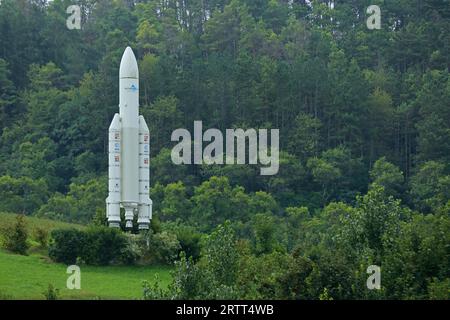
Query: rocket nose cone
{"points": [[128, 65]]}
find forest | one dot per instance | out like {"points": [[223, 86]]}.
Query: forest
{"points": [[364, 125]]}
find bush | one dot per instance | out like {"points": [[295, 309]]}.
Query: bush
{"points": [[6, 296], [132, 252], [103, 245], [96, 246], [213, 277], [155, 291], [439, 290], [188, 237], [160, 248], [41, 236], [15, 236], [52, 293], [189, 242], [66, 245]]}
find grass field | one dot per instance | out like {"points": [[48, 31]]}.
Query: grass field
{"points": [[28, 277], [33, 223]]}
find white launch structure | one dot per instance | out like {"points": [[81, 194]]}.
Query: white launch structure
{"points": [[129, 153]]}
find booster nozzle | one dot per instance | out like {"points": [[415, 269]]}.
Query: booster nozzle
{"points": [[129, 215]]}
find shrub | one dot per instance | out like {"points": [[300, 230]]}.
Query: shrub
{"points": [[6, 296], [103, 245], [213, 277], [51, 293], [439, 290], [190, 280], [189, 242], [66, 245], [15, 236], [155, 291], [95, 246], [132, 252], [220, 254], [165, 247], [41, 236], [160, 248], [188, 237]]}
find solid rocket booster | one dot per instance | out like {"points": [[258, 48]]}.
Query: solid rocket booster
{"points": [[129, 153]]}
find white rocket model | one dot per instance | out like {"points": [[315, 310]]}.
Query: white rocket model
{"points": [[129, 153]]}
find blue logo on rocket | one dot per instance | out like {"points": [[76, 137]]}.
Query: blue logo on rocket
{"points": [[133, 88]]}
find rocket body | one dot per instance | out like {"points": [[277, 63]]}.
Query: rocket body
{"points": [[129, 153]]}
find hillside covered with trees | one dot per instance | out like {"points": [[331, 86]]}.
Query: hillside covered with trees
{"points": [[364, 120]]}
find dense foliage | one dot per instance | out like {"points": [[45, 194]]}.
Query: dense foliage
{"points": [[364, 119], [15, 236], [95, 246]]}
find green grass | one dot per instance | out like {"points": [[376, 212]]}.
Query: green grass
{"points": [[27, 277], [33, 223]]}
